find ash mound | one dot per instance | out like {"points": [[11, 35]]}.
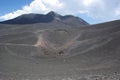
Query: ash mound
{"points": [[62, 42]]}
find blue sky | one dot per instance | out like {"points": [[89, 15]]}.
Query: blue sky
{"points": [[93, 11], [12, 5]]}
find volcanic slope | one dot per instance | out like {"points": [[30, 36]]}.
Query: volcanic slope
{"points": [[50, 51]]}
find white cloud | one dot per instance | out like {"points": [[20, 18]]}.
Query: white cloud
{"points": [[117, 11], [36, 6], [88, 2], [52, 3], [98, 9]]}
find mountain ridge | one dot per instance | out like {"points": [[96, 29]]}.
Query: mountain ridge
{"points": [[46, 18]]}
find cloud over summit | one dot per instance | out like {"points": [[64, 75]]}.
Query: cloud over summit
{"points": [[97, 9]]}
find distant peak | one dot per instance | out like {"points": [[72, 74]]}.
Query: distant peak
{"points": [[45, 18], [52, 13]]}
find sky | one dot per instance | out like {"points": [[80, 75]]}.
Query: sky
{"points": [[92, 11]]}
